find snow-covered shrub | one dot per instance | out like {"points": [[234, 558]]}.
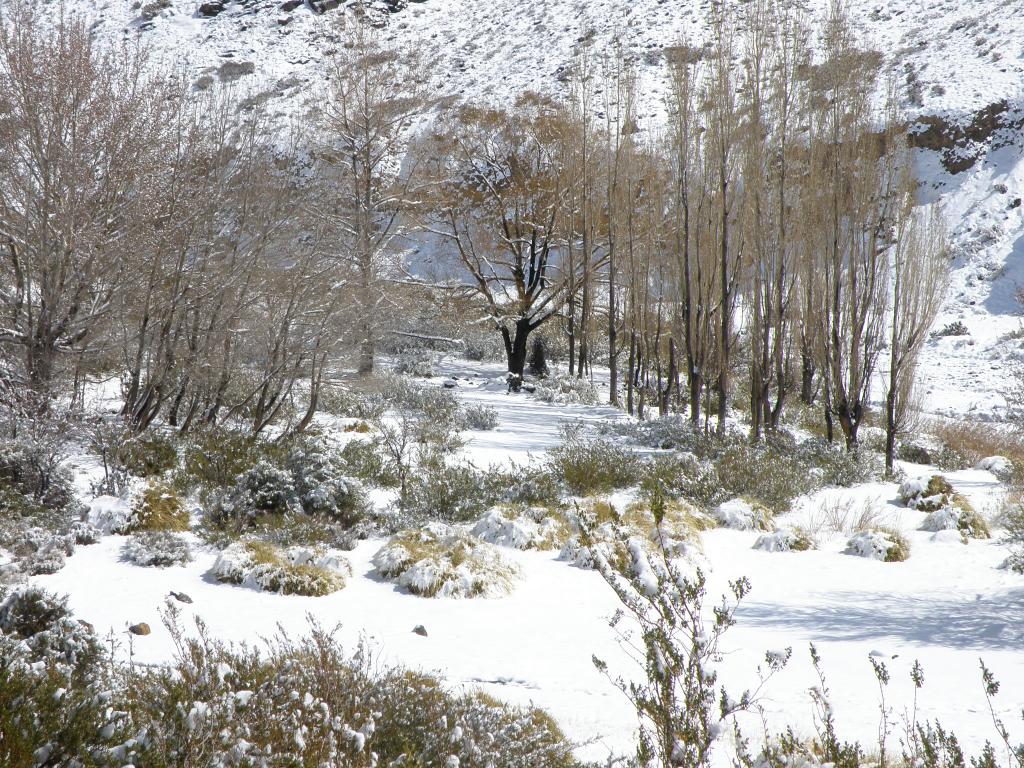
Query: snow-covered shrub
{"points": [[530, 484], [449, 491], [958, 516], [157, 548], [566, 390], [1000, 466], [744, 515], [785, 540], [683, 475], [480, 417], [681, 709], [953, 328], [532, 528], [147, 455], [322, 487], [927, 495], [886, 544], [438, 560], [293, 702], [833, 465], [292, 571], [365, 461], [43, 622], [600, 531], [214, 459], [84, 533], [35, 550], [108, 514], [764, 474], [32, 480], [415, 362], [593, 465], [156, 508]]}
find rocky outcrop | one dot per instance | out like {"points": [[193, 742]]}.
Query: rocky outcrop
{"points": [[960, 142]]}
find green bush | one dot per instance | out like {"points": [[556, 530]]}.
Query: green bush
{"points": [[452, 492], [214, 459], [593, 466], [363, 459], [682, 475], [763, 474], [149, 455]]}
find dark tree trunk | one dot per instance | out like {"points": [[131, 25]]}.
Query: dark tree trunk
{"points": [[515, 346], [538, 358]]}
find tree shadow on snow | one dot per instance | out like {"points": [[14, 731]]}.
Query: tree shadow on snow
{"points": [[994, 622]]}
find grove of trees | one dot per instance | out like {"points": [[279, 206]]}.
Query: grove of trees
{"points": [[754, 246]]}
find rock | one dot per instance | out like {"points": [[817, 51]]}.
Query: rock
{"points": [[181, 597], [290, 5], [323, 6], [142, 628], [450, 384], [420, 630], [209, 10]]}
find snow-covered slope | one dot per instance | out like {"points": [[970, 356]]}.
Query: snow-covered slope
{"points": [[959, 65]]}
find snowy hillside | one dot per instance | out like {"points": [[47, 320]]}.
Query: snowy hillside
{"points": [[952, 63]]}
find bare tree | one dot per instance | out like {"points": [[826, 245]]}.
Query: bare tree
{"points": [[920, 275], [81, 126], [369, 173], [500, 211]]}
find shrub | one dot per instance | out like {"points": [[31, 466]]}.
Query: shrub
{"points": [[886, 544], [589, 466], [284, 702], [149, 455], [157, 508], [292, 571], [786, 540], [532, 528], [480, 417], [157, 548], [683, 475], [954, 328], [744, 515], [322, 488], [833, 465], [415, 362], [363, 460], [762, 474], [294, 702], [214, 460], [958, 516], [567, 390], [442, 561], [965, 443], [602, 533], [446, 491], [531, 484], [32, 481]]}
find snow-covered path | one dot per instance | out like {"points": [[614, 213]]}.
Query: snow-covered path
{"points": [[947, 606]]}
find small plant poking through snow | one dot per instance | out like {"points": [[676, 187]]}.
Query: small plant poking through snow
{"points": [[157, 548], [885, 544], [445, 561], [291, 571]]}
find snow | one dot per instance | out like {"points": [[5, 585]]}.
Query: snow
{"points": [[946, 606]]}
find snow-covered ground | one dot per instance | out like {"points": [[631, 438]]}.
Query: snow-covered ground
{"points": [[946, 606]]}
